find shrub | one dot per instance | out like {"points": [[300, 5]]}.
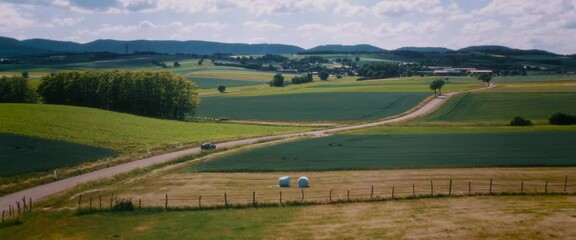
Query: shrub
{"points": [[519, 121], [124, 205], [221, 88], [560, 118]]}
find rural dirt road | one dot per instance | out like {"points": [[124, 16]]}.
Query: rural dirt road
{"points": [[43, 191]]}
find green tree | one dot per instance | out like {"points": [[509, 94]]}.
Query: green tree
{"points": [[560, 118], [436, 86], [277, 80], [200, 61], [323, 75], [485, 78], [25, 74], [221, 88], [16, 90]]}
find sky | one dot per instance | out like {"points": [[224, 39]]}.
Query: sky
{"points": [[525, 24]]}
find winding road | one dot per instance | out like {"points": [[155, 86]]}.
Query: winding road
{"points": [[39, 192]]}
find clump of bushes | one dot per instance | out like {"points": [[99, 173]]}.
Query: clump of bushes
{"points": [[560, 118], [124, 205], [16, 90], [520, 121]]}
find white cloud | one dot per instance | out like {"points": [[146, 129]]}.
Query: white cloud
{"points": [[12, 19], [345, 8], [406, 6], [65, 22], [481, 27], [283, 7], [523, 7], [261, 26]]}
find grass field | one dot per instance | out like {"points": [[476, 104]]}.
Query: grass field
{"points": [[504, 217], [120, 132], [535, 102], [19, 154], [343, 152]]}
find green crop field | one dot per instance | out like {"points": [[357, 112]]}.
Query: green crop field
{"points": [[344, 152], [337, 106], [117, 131], [502, 107], [19, 154], [213, 83]]}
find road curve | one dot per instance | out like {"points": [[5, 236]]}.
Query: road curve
{"points": [[42, 191]]}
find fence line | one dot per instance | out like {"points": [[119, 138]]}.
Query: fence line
{"points": [[314, 195]]}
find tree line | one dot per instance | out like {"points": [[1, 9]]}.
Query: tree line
{"points": [[154, 94]]}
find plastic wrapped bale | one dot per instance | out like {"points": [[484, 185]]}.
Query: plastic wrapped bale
{"points": [[303, 182], [284, 181]]}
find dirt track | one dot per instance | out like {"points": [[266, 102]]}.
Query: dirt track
{"points": [[42, 191]]}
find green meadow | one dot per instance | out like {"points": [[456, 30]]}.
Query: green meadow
{"points": [[20, 154], [124, 133]]}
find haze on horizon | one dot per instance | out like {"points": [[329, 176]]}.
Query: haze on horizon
{"points": [[526, 24]]}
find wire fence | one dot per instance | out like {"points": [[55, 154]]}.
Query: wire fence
{"points": [[281, 196]]}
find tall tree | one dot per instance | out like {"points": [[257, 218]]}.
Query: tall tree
{"points": [[436, 86], [486, 78], [277, 80], [323, 75]]}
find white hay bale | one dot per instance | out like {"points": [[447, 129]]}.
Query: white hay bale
{"points": [[303, 182], [284, 181]]}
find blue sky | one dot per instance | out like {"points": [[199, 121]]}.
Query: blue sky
{"points": [[526, 24]]}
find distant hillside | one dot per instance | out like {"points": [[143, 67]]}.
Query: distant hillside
{"points": [[495, 49], [425, 49], [13, 47], [345, 48]]}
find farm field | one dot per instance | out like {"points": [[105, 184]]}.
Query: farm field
{"points": [[532, 101], [344, 152], [120, 132], [312, 106], [19, 154], [323, 101], [502, 217]]}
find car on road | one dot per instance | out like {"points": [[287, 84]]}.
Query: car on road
{"points": [[208, 146]]}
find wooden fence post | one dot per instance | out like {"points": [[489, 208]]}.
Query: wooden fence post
{"points": [[111, 199], [469, 187], [99, 202], [2, 215], [10, 207], [254, 198], [565, 183], [90, 202], [166, 202], [25, 209], [225, 201], [18, 205], [139, 203], [490, 189], [280, 198], [302, 190], [79, 201], [30, 205], [330, 196], [200, 202], [413, 191], [348, 195], [450, 188], [546, 187], [372, 192], [522, 187], [392, 192], [431, 188]]}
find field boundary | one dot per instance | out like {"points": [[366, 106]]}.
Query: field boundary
{"points": [[404, 189]]}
